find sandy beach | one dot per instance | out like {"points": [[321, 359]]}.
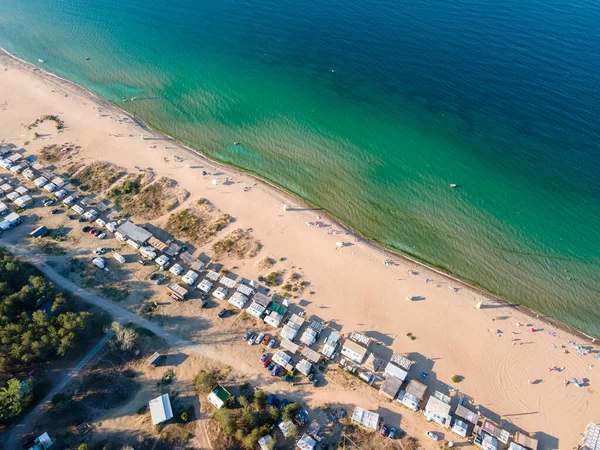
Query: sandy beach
{"points": [[505, 367]]}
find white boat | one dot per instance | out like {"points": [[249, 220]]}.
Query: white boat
{"points": [[41, 60], [453, 185]]}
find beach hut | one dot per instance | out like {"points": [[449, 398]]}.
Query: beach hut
{"points": [[246, 290], [6, 188], [22, 190], [50, 187], [133, 244], [281, 358], [365, 418], [23, 201], [3, 209], [18, 168], [331, 345], [238, 300], [291, 329], [286, 427], [220, 292], [289, 346], [460, 427], [437, 409], [219, 396], [40, 182], [29, 174], [60, 194], [69, 200], [256, 310], [190, 277], [12, 196], [398, 366], [161, 261], [263, 300], [226, 280], [78, 209], [177, 290], [212, 275], [274, 319], [304, 367], [310, 354], [354, 351], [205, 286], [58, 182], [390, 387], [176, 269], [154, 359], [39, 232], [91, 214], [157, 244], [413, 395], [196, 265], [527, 442], [160, 409]]}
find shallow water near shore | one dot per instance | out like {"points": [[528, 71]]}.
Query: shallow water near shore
{"points": [[371, 111]]}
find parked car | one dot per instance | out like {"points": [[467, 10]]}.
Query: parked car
{"points": [[270, 366], [97, 233], [222, 313], [311, 376], [266, 339], [92, 230], [251, 340], [86, 229], [55, 211], [266, 362], [159, 280], [384, 430], [203, 296], [99, 251], [271, 343], [275, 371], [247, 335], [432, 435], [260, 338], [316, 382], [392, 434], [270, 399], [264, 357], [83, 219], [71, 217], [101, 236], [48, 202]]}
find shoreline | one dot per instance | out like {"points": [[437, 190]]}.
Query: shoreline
{"points": [[296, 199]]}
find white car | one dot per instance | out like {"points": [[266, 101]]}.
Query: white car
{"points": [[432, 435], [101, 236], [251, 340]]}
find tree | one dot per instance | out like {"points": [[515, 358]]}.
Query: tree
{"points": [[206, 381], [125, 336], [247, 419], [83, 447], [290, 411], [13, 399], [223, 417], [260, 399], [243, 401], [274, 414]]}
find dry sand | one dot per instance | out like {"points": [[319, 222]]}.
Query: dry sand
{"points": [[353, 290]]}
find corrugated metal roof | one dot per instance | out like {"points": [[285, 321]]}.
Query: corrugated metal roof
{"points": [[366, 418], [416, 388], [391, 387]]}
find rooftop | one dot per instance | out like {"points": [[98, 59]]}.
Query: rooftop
{"points": [[134, 232]]}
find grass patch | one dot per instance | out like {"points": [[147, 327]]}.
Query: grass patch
{"points": [[58, 122], [237, 243], [98, 176]]}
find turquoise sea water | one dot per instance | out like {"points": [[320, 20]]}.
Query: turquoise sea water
{"points": [[371, 109]]}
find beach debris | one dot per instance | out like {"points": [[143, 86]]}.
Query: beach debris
{"points": [[215, 181]]}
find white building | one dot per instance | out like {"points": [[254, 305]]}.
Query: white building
{"points": [[91, 214], [212, 275], [176, 269], [99, 262], [136, 245], [238, 300], [219, 396], [50, 187], [3, 208], [354, 351], [161, 261], [304, 367], [21, 190], [306, 442], [23, 201], [437, 409], [69, 200], [226, 281], [366, 418], [78, 209], [60, 194], [12, 196], [281, 358], [160, 409], [101, 223], [413, 395], [309, 337], [205, 286], [256, 310], [220, 292], [190, 277], [286, 426], [246, 290], [58, 182], [29, 174], [331, 345], [274, 319], [290, 330]]}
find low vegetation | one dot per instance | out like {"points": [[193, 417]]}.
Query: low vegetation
{"points": [[153, 200], [97, 176], [53, 153], [58, 122], [237, 243], [196, 225]]}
